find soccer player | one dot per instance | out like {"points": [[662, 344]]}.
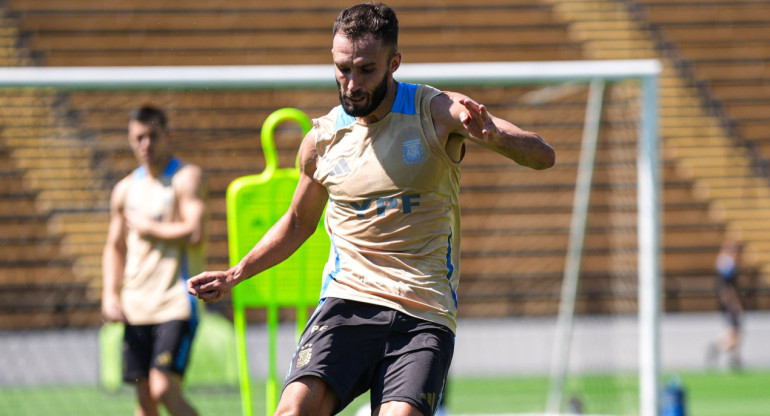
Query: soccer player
{"points": [[387, 160], [153, 245], [729, 342]]}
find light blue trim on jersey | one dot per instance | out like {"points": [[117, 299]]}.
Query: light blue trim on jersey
{"points": [[140, 172], [450, 267], [333, 274], [342, 118], [403, 104], [171, 168]]}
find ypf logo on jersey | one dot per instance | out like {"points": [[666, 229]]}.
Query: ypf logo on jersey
{"points": [[412, 152]]}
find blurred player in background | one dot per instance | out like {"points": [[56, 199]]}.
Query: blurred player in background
{"points": [[729, 342], [387, 160], [154, 243]]}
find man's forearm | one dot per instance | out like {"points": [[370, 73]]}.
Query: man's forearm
{"points": [[113, 264], [171, 231], [524, 147], [280, 242]]}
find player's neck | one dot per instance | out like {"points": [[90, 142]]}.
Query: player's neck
{"points": [[157, 168], [385, 106]]}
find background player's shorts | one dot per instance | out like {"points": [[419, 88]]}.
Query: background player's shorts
{"points": [[727, 287], [164, 346], [356, 346]]}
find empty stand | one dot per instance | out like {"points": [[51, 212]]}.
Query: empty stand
{"points": [[38, 287], [515, 221], [177, 33], [722, 46], [698, 139], [725, 45]]}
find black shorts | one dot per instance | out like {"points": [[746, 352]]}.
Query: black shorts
{"points": [[727, 285], [355, 347], [164, 346]]}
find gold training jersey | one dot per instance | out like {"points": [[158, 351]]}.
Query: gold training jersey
{"points": [[393, 215], [154, 279]]}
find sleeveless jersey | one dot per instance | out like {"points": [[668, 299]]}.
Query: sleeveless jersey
{"points": [[154, 279], [393, 215]]}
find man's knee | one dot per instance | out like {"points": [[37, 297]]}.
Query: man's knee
{"points": [[307, 396], [164, 385], [396, 409], [146, 405]]}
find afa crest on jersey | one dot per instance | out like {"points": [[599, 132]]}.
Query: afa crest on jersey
{"points": [[412, 152]]}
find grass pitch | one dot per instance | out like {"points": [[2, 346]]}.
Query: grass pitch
{"points": [[708, 394]]}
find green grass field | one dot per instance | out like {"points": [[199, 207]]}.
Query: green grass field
{"points": [[708, 394]]}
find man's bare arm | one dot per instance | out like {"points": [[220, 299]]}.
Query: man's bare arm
{"points": [[114, 257], [191, 192], [455, 114]]}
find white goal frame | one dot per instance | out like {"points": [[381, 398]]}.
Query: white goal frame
{"points": [[647, 72]]}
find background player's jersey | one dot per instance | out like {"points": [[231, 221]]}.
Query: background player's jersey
{"points": [[393, 215], [154, 279]]}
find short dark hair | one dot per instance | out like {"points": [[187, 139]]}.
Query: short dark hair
{"points": [[374, 18], [148, 114]]}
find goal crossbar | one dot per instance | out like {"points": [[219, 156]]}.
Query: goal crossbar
{"points": [[321, 76]]}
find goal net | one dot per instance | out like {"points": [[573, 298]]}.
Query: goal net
{"points": [[560, 267]]}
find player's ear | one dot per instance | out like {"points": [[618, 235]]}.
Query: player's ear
{"points": [[395, 62]]}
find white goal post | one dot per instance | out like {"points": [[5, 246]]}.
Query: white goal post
{"points": [[646, 72]]}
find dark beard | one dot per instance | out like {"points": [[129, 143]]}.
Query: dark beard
{"points": [[375, 99]]}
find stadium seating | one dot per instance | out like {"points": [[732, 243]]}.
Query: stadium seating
{"points": [[239, 32], [696, 134], [722, 49], [38, 283], [69, 149]]}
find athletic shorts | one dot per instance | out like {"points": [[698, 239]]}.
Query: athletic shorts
{"points": [[355, 347], [165, 346], [731, 311]]}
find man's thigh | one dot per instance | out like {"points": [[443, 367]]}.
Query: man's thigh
{"points": [[137, 352], [353, 347], [342, 345], [305, 394], [164, 346], [172, 347], [415, 366]]}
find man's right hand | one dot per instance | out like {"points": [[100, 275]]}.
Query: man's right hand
{"points": [[210, 287], [112, 310]]}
